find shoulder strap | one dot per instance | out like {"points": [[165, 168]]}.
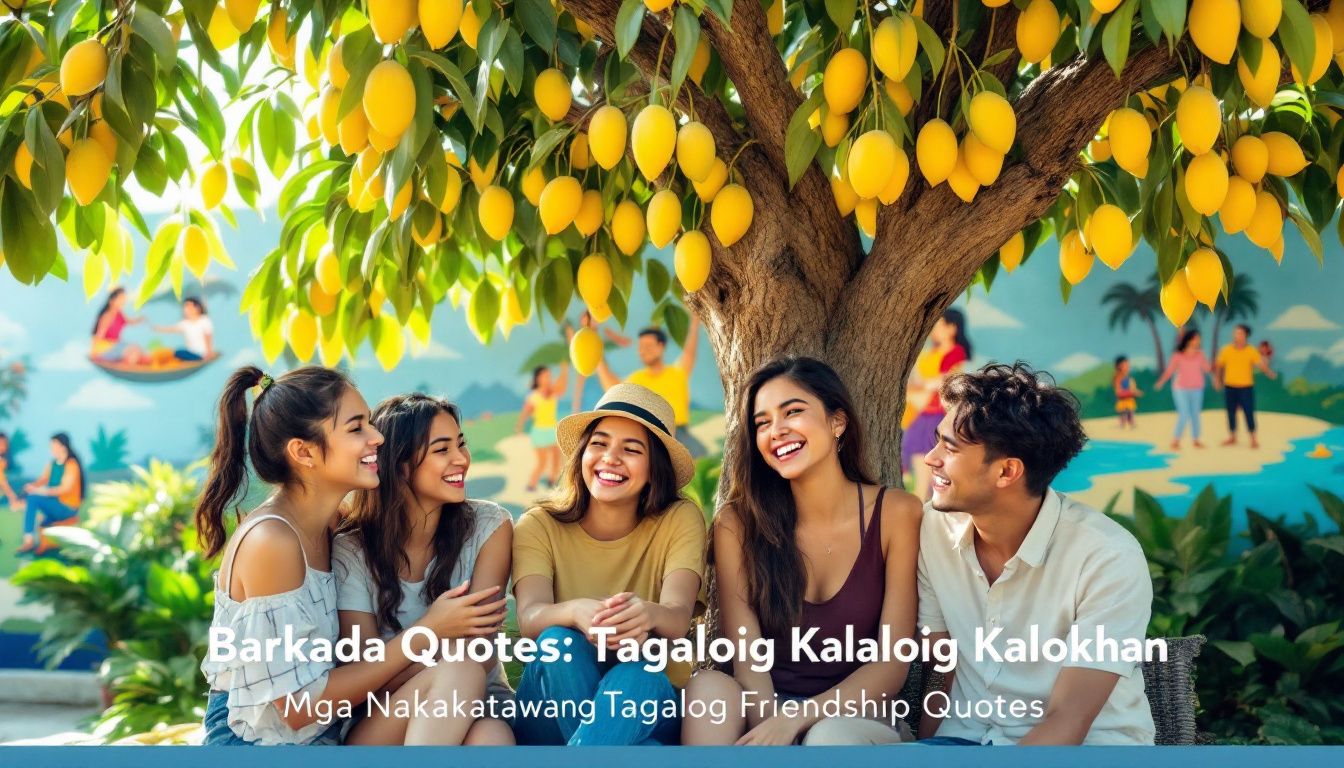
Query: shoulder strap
{"points": [[238, 541], [875, 525], [861, 526]]}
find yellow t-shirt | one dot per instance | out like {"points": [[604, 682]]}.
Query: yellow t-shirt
{"points": [[673, 384], [1238, 365], [543, 410], [580, 566]]}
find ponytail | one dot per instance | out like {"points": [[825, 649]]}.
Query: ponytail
{"points": [[292, 406], [228, 468]]}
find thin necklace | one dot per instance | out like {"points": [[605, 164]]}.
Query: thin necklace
{"points": [[856, 485]]}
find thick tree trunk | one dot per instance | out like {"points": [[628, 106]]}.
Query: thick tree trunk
{"points": [[799, 281]]}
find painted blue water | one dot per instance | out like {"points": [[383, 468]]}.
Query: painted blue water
{"points": [[1105, 457], [1277, 489], [1280, 488]]}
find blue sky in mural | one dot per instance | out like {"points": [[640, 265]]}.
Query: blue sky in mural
{"points": [[1024, 317]]}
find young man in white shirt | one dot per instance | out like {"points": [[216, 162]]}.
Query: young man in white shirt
{"points": [[1008, 564]]}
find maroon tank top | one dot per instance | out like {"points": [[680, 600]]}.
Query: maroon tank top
{"points": [[858, 604]]}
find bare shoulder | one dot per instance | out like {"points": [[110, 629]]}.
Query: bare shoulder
{"points": [[269, 560], [901, 510], [728, 519]]}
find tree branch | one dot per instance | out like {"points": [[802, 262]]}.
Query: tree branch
{"points": [[1058, 114]]}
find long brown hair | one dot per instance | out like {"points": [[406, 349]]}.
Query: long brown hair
{"points": [[294, 405], [382, 517], [763, 501], [661, 492]]}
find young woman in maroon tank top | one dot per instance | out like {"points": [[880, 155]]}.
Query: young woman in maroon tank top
{"points": [[806, 540]]}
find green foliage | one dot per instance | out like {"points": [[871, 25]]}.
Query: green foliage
{"points": [[704, 486], [132, 572], [13, 389], [108, 451], [1272, 614]]}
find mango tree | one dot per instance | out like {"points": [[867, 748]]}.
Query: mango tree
{"points": [[818, 177]]}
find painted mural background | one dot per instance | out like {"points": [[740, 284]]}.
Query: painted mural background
{"points": [[47, 384]]}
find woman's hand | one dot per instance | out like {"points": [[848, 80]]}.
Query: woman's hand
{"points": [[456, 614], [776, 731], [582, 612], [631, 617]]}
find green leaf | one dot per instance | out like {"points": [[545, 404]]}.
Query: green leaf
{"points": [[1170, 16], [26, 236], [658, 279], [842, 13], [543, 146], [555, 287], [151, 27], [723, 9], [628, 21], [686, 34], [483, 310], [932, 45], [511, 59], [1309, 234], [157, 259], [1297, 35], [678, 322], [538, 20], [48, 171], [1115, 37], [801, 142], [457, 82]]}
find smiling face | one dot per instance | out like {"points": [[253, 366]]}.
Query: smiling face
{"points": [[191, 310], [962, 480], [793, 431], [440, 478], [615, 461], [350, 457], [650, 349]]}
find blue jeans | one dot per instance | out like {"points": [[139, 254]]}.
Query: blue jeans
{"points": [[1189, 402], [608, 686], [49, 508]]}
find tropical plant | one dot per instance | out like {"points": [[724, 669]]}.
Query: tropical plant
{"points": [[1272, 614], [1133, 303], [132, 573], [756, 138], [1242, 303], [13, 389], [108, 452]]}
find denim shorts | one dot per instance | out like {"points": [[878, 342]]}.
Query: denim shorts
{"points": [[219, 734]]}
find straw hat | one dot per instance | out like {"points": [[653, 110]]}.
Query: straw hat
{"points": [[639, 404]]}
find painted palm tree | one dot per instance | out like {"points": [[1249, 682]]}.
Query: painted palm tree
{"points": [[1243, 303], [1128, 303]]}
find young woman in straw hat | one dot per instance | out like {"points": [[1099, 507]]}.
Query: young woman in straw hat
{"points": [[619, 549], [807, 540]]}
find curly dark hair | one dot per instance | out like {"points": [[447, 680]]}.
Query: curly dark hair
{"points": [[1013, 410]]}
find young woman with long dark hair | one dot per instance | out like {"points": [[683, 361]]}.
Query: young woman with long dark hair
{"points": [[807, 540], [55, 496], [412, 539], [618, 550], [309, 436]]}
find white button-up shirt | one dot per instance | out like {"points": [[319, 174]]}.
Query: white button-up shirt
{"points": [[1076, 568]]}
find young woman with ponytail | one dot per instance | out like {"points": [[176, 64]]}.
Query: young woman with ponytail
{"points": [[807, 540], [413, 539], [309, 436]]}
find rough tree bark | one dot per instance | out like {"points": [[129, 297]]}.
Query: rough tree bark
{"points": [[800, 283]]}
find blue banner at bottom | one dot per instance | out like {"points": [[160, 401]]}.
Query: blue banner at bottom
{"points": [[670, 757]]}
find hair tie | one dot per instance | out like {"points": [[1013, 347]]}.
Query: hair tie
{"points": [[264, 383]]}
